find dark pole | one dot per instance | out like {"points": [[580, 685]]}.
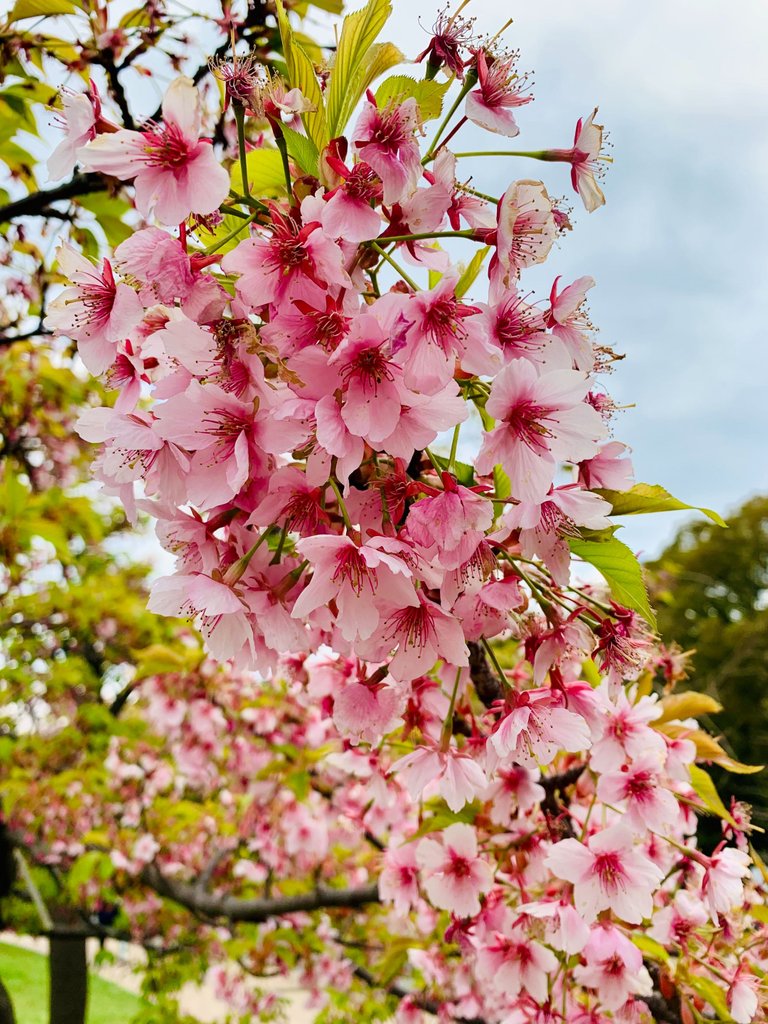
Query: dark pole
{"points": [[68, 979]]}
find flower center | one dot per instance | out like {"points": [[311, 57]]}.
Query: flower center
{"points": [[166, 146]]}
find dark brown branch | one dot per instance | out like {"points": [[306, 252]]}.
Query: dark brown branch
{"points": [[107, 61], [255, 911], [554, 809], [36, 203], [396, 988], [487, 684]]}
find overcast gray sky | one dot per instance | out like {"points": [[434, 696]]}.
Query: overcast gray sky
{"points": [[680, 252]]}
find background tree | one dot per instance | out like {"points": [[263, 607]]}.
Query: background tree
{"points": [[710, 587]]}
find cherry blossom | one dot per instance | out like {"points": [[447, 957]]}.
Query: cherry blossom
{"points": [[607, 872], [453, 874], [543, 419], [499, 90], [176, 172]]}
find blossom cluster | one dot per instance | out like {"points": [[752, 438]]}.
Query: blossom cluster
{"points": [[279, 412]]}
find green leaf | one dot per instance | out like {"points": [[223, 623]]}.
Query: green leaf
{"points": [[643, 498], [705, 790], [301, 74], [501, 482], [265, 173], [40, 8], [443, 817], [650, 947], [301, 150], [358, 34], [332, 6], [470, 273], [690, 704], [591, 673], [711, 991], [621, 570], [428, 94]]}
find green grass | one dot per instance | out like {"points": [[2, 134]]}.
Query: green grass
{"points": [[25, 975]]}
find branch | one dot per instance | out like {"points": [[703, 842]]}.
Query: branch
{"points": [[34, 205], [555, 811], [255, 911], [487, 686], [396, 988], [107, 61]]}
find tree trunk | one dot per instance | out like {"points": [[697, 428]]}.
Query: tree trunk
{"points": [[6, 1006], [68, 979]]}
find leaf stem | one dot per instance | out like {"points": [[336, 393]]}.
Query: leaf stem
{"points": [[469, 83], [228, 238], [342, 507], [466, 233], [454, 447], [282, 146], [495, 662], [385, 255], [534, 154], [447, 731], [240, 121]]}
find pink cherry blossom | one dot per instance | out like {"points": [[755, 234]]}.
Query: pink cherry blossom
{"points": [[516, 327], [290, 264], [94, 309], [722, 886], [614, 968], [638, 787], [564, 927], [742, 997], [587, 152], [176, 173], [80, 115], [514, 962], [534, 726], [526, 232], [568, 321], [422, 633], [398, 881], [458, 777], [220, 613], [365, 712], [360, 578], [159, 262], [607, 873], [454, 875], [678, 922], [544, 526], [348, 212], [386, 142], [451, 524], [609, 468], [543, 420], [439, 329], [623, 732], [515, 790], [499, 90]]}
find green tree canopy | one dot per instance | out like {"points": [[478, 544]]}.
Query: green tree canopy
{"points": [[711, 592]]}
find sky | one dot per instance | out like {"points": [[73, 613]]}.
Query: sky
{"points": [[680, 251]]}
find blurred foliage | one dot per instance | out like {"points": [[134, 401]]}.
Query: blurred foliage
{"points": [[710, 588]]}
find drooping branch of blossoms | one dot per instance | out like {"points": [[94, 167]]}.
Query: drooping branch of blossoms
{"points": [[294, 360]]}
